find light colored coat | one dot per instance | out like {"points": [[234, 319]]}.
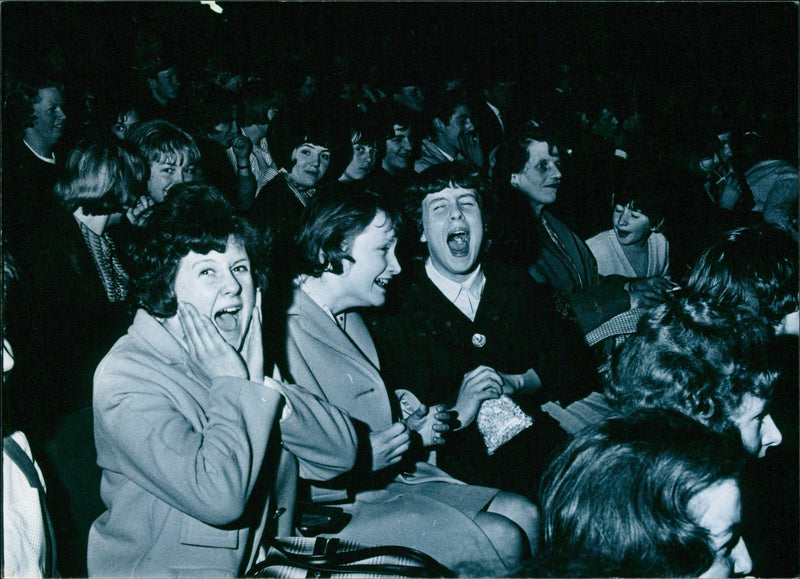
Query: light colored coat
{"points": [[611, 259], [344, 369], [184, 457]]}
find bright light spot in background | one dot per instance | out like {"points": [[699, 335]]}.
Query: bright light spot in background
{"points": [[213, 5]]}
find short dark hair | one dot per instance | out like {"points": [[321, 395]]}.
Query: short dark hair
{"points": [[436, 178], [214, 105], [255, 103], [331, 221], [291, 128], [102, 176], [442, 105], [754, 266], [195, 217], [615, 501], [696, 357], [644, 190]]}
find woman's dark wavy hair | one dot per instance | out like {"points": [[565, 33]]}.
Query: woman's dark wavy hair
{"points": [[616, 499], [332, 221], [195, 217], [754, 266], [696, 357], [102, 176]]}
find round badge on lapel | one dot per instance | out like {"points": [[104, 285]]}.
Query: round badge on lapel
{"points": [[478, 340]]}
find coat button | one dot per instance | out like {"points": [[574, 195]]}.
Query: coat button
{"points": [[478, 340]]}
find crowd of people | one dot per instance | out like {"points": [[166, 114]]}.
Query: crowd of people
{"points": [[526, 340]]}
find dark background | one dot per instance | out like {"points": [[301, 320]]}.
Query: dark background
{"points": [[712, 50]]}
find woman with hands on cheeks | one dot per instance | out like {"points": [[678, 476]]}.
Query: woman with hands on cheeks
{"points": [[185, 421], [346, 246]]}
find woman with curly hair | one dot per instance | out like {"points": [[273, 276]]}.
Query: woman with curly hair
{"points": [[185, 420]]}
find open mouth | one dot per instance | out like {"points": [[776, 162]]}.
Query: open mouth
{"points": [[623, 234], [227, 319], [458, 242], [382, 282]]}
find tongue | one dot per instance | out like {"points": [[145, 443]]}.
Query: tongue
{"points": [[227, 322], [458, 244]]}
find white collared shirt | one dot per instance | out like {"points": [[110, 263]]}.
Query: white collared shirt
{"points": [[465, 296], [51, 159]]}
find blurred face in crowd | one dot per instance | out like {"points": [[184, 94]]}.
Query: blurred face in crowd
{"points": [[411, 97], [452, 226], [756, 426], [718, 509], [540, 177], [631, 226], [607, 124], [363, 161], [235, 83], [166, 172], [459, 122], [310, 164], [165, 85], [363, 281], [221, 287], [122, 128], [48, 121], [398, 150], [224, 133]]}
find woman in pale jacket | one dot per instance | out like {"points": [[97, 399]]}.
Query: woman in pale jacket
{"points": [[188, 429], [347, 257]]}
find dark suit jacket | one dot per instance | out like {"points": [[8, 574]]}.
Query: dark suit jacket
{"points": [[427, 346]]}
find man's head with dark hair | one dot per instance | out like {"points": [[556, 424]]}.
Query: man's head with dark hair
{"points": [[449, 116], [630, 497], [446, 203], [708, 361]]}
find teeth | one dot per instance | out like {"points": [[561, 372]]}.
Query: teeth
{"points": [[381, 282]]}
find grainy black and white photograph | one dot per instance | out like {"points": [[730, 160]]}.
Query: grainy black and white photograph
{"points": [[408, 289]]}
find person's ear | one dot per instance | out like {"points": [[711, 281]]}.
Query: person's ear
{"points": [[422, 237], [438, 124], [515, 179], [151, 83]]}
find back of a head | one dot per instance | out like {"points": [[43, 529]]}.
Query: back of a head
{"points": [[693, 356], [755, 267], [102, 177], [616, 500]]}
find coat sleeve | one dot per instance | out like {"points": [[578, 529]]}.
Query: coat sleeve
{"points": [[321, 435], [203, 461]]}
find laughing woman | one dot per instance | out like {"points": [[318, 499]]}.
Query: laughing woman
{"points": [[185, 422], [347, 251]]}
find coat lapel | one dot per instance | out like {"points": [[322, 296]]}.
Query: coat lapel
{"points": [[356, 344]]}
